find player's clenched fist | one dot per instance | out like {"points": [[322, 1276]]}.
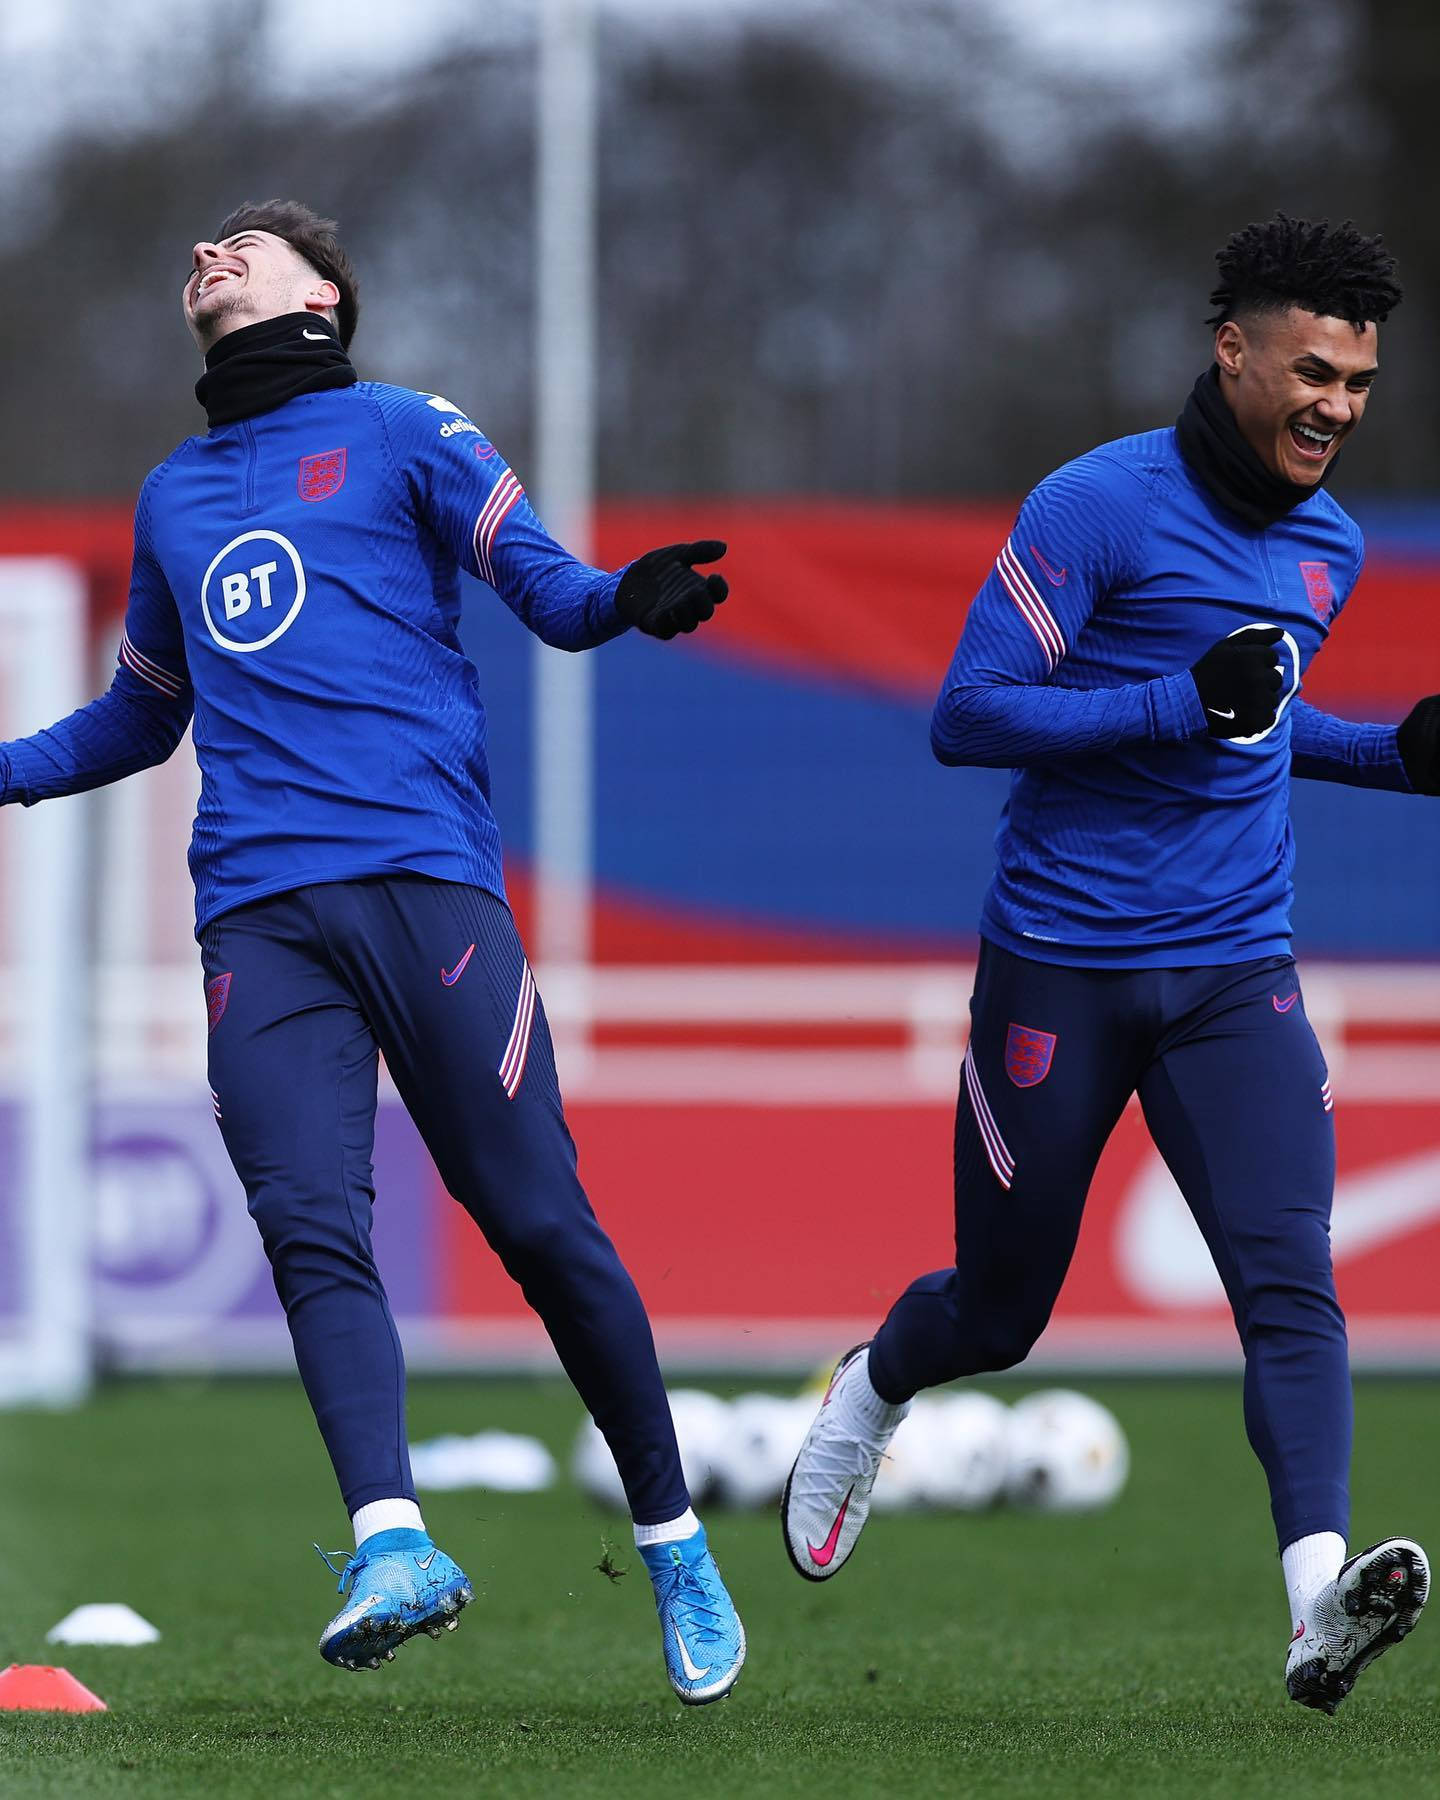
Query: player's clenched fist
{"points": [[661, 593], [1239, 682]]}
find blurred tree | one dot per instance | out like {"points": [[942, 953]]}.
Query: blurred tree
{"points": [[845, 251]]}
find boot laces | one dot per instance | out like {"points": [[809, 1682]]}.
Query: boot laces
{"points": [[688, 1595], [350, 1566]]}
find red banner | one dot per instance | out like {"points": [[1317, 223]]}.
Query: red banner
{"points": [[760, 1231]]}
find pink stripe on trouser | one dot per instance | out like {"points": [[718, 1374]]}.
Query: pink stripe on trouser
{"points": [[996, 1151], [512, 1064]]}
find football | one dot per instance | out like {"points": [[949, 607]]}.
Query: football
{"points": [[969, 1455], [761, 1440], [1067, 1453]]}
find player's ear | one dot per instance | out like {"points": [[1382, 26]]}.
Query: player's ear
{"points": [[1230, 347], [323, 297]]}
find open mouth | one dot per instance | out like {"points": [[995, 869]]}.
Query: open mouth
{"points": [[1312, 444], [213, 278]]}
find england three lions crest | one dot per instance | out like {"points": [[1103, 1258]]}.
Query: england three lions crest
{"points": [[1028, 1055], [217, 998], [1319, 590], [322, 475]]}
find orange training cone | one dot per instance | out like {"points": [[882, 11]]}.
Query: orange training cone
{"points": [[30, 1687]]}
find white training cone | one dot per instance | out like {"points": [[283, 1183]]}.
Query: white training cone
{"points": [[103, 1622]]}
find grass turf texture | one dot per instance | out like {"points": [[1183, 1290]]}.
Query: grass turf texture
{"points": [[1135, 1652]]}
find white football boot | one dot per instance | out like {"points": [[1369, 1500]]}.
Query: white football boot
{"points": [[827, 1498], [1371, 1604]]}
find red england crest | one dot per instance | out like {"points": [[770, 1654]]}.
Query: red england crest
{"points": [[217, 996], [322, 475], [1318, 589], [1028, 1055]]}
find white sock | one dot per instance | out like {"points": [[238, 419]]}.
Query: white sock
{"points": [[1308, 1564], [862, 1407], [670, 1532], [385, 1515]]}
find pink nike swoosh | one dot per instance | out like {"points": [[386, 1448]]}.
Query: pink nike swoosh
{"points": [[824, 1553], [459, 969], [1050, 574], [1283, 1006]]}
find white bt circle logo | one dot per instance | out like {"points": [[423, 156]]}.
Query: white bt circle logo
{"points": [[253, 591]]}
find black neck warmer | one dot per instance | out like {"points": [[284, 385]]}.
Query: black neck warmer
{"points": [[1212, 443], [259, 367]]}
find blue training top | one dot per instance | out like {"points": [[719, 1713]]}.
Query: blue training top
{"points": [[296, 584], [1131, 838]]}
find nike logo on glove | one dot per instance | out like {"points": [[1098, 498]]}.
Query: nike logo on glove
{"points": [[824, 1554], [1221, 715]]}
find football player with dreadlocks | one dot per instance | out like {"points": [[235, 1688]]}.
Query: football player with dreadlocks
{"points": [[1136, 658]]}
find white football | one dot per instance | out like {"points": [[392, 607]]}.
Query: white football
{"points": [[761, 1442], [1067, 1452], [593, 1468], [905, 1469], [701, 1421], [969, 1457]]}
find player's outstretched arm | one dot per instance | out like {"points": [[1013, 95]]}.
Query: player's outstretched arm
{"points": [[116, 735], [475, 504], [1325, 748], [137, 722], [1075, 539]]}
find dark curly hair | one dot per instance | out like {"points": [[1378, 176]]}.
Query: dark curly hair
{"points": [[314, 238], [1332, 270]]}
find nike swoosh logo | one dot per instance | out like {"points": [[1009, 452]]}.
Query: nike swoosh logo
{"points": [[424, 1562], [317, 337], [1155, 1242], [352, 1615], [1218, 714], [1050, 575], [1283, 1006], [1299, 1632], [824, 1554], [454, 974], [691, 1672]]}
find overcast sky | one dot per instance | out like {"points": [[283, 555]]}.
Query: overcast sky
{"points": [[69, 60]]}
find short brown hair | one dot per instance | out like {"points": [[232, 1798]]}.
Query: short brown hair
{"points": [[313, 238]]}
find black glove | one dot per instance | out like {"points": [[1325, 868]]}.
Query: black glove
{"points": [[1419, 740], [661, 594], [1239, 681]]}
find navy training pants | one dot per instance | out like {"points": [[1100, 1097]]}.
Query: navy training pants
{"points": [[1236, 1096], [304, 989]]}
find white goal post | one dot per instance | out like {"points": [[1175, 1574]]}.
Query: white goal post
{"points": [[45, 1353]]}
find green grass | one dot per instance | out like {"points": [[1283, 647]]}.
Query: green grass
{"points": [[1136, 1652]]}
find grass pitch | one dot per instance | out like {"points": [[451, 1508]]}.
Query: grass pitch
{"points": [[1135, 1652]]}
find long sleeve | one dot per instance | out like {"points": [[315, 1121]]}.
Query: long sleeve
{"points": [[997, 706], [477, 508], [136, 723], [1324, 748]]}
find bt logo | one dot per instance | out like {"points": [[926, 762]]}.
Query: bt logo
{"points": [[253, 591]]}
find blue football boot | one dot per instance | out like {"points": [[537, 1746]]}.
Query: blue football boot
{"points": [[397, 1584], [704, 1639]]}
